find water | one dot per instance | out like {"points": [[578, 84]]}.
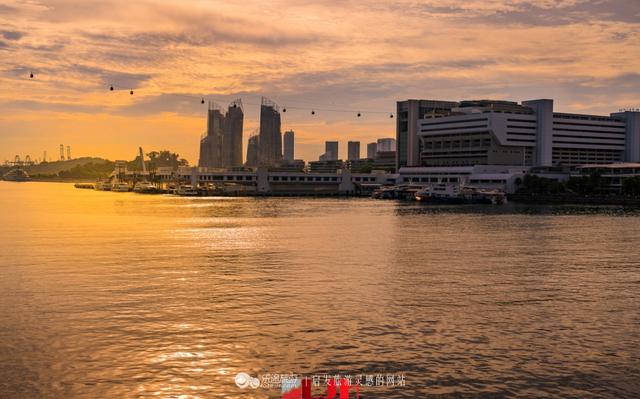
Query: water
{"points": [[118, 295]]}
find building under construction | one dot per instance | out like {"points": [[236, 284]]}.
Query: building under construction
{"points": [[221, 146], [270, 145]]}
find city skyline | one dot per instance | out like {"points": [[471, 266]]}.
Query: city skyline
{"points": [[581, 53]]}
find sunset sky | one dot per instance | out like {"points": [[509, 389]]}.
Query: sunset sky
{"points": [[356, 55]]}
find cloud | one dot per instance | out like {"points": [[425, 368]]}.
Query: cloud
{"points": [[11, 34]]}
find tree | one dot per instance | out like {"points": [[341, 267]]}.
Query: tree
{"points": [[631, 186]]}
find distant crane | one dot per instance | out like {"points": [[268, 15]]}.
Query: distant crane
{"points": [[44, 157], [61, 152]]}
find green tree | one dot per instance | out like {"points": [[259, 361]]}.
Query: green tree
{"points": [[631, 186]]}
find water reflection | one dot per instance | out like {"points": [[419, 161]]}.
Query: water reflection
{"points": [[125, 295]]}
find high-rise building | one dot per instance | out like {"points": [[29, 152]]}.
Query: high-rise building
{"points": [[408, 114], [386, 145], [289, 143], [353, 150], [61, 152], [252, 150], [232, 139], [270, 149], [68, 152], [211, 143], [331, 150], [372, 148]]}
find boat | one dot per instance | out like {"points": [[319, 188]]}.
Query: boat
{"points": [[121, 187], [145, 187], [17, 174], [84, 185], [103, 185], [443, 193], [401, 192], [187, 190]]}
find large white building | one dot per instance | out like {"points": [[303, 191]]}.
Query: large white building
{"points": [[490, 132]]}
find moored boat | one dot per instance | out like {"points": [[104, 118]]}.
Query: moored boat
{"points": [[443, 193], [103, 185], [17, 174], [187, 190], [145, 187], [121, 187]]}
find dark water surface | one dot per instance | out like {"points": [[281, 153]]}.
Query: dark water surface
{"points": [[119, 295]]}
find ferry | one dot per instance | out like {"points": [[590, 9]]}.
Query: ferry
{"points": [[17, 174], [187, 190], [103, 185], [145, 187], [121, 187], [443, 193]]}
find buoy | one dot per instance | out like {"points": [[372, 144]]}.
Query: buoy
{"points": [[313, 112], [284, 110], [358, 114], [111, 87], [202, 101], [390, 115], [31, 75], [131, 92]]}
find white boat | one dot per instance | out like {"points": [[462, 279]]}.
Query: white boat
{"points": [[145, 187], [103, 185], [187, 190], [121, 187]]}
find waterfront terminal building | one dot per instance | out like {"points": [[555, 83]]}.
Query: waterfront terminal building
{"points": [[488, 132]]}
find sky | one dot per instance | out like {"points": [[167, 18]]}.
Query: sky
{"points": [[356, 56]]}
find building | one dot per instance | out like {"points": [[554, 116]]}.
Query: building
{"points": [[297, 165], [612, 176], [270, 143], [386, 145], [211, 142], [385, 160], [353, 150], [489, 132], [289, 143], [362, 165], [325, 166], [372, 148], [408, 113], [221, 146], [253, 147], [232, 138], [505, 178], [331, 150]]}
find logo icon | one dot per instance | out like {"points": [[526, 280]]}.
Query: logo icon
{"points": [[244, 380]]}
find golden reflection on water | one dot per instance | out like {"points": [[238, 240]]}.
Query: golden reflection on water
{"points": [[127, 295]]}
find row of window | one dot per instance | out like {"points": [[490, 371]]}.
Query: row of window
{"points": [[454, 121], [589, 137], [228, 178], [437, 145], [415, 179], [617, 125], [304, 178], [442, 129]]}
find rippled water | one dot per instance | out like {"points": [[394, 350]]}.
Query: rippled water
{"points": [[117, 295]]}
